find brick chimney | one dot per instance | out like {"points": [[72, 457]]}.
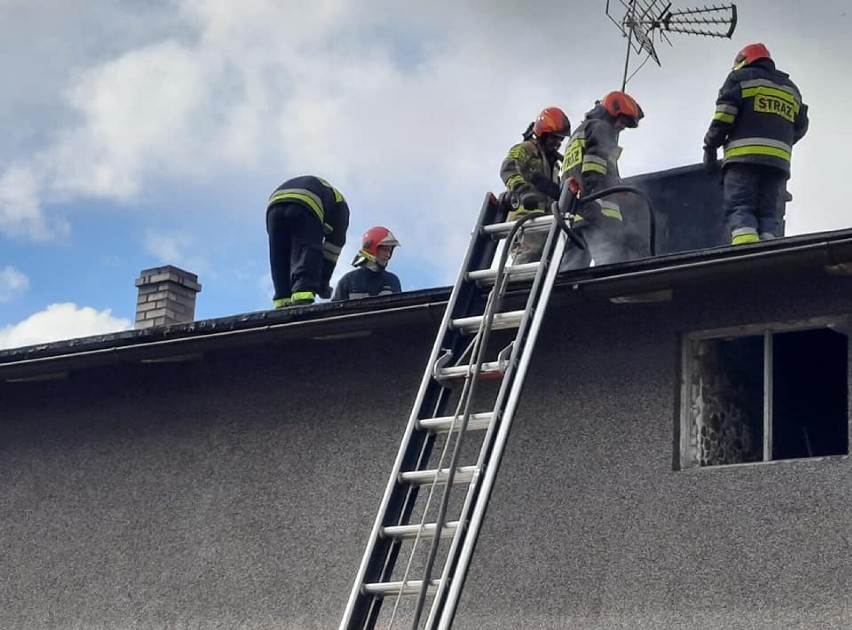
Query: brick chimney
{"points": [[166, 296]]}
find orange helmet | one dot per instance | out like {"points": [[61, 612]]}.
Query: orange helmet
{"points": [[750, 54], [373, 238], [622, 104], [552, 120]]}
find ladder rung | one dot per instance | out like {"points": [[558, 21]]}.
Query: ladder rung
{"points": [[509, 319], [411, 531], [516, 273], [501, 230], [489, 370], [410, 587], [476, 422], [464, 474]]}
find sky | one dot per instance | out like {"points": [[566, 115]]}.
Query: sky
{"points": [[138, 133]]}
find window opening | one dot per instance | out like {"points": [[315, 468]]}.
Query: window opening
{"points": [[734, 411]]}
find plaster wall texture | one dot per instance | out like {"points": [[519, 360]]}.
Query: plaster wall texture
{"points": [[237, 491]]}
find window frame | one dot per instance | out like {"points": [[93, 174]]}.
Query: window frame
{"points": [[766, 330]]}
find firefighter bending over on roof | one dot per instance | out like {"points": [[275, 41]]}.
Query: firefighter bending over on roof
{"points": [[591, 158], [531, 174], [371, 276], [759, 117], [306, 220]]}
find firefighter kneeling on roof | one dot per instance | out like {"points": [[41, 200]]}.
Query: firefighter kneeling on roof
{"points": [[591, 159], [759, 117]]}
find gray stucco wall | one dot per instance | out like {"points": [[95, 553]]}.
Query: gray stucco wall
{"points": [[238, 491]]}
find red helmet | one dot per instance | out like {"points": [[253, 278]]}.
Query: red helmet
{"points": [[750, 54], [373, 238], [552, 120], [622, 104]]}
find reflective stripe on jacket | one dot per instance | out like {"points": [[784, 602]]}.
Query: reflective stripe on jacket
{"points": [[325, 202], [591, 158]]}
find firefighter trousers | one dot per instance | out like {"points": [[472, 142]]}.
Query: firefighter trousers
{"points": [[295, 249], [753, 200]]}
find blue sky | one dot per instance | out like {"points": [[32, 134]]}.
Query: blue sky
{"points": [[140, 134]]}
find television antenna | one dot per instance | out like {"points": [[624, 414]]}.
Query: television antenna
{"points": [[648, 21]]}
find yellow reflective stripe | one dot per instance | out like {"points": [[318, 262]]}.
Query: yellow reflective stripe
{"points": [[752, 83], [612, 213], [723, 117], [329, 256], [591, 166], [517, 153], [773, 92], [755, 149], [304, 196], [332, 248], [521, 211], [338, 197], [743, 239], [515, 179], [757, 140], [303, 295]]}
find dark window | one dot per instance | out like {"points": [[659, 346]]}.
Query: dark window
{"points": [[735, 412]]}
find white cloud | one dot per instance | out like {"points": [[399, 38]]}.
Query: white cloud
{"points": [[12, 283], [21, 212], [175, 249], [58, 322], [407, 107]]}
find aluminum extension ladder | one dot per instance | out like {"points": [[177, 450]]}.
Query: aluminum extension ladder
{"points": [[438, 491]]}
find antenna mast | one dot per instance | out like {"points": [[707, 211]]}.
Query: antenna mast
{"points": [[646, 21]]}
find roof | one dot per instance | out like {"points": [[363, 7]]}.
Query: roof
{"points": [[331, 320]]}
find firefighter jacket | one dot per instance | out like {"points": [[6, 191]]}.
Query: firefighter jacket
{"points": [[759, 117], [365, 282], [529, 171], [591, 158], [326, 203]]}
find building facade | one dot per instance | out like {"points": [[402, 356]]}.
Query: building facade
{"points": [[679, 458]]}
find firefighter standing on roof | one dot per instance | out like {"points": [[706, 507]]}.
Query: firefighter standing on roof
{"points": [[591, 158], [371, 277], [306, 220], [759, 117], [531, 174]]}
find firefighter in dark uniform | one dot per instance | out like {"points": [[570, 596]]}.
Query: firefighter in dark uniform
{"points": [[531, 174], [759, 117], [306, 220], [591, 158], [371, 276]]}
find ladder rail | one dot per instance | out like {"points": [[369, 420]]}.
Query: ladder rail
{"points": [[476, 348], [500, 286], [534, 311], [513, 386], [489, 207], [492, 307]]}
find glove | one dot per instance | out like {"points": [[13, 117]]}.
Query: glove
{"points": [[546, 186], [325, 292], [532, 200], [711, 162]]}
